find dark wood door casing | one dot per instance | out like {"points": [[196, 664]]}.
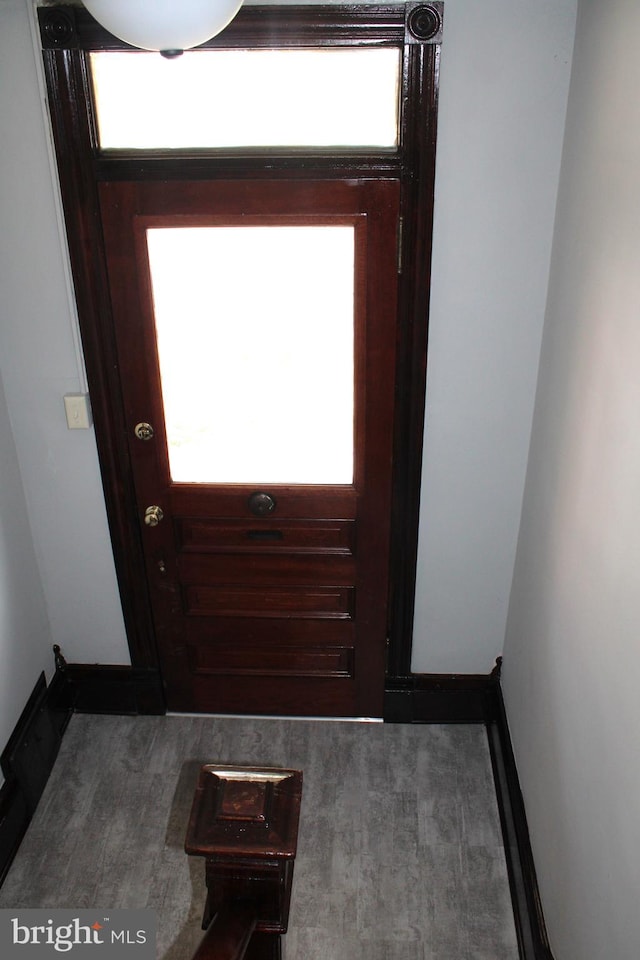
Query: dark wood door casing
{"points": [[67, 34]]}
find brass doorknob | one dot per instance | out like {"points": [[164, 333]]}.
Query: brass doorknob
{"points": [[143, 431], [152, 516]]}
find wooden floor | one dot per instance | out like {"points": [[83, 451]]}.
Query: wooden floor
{"points": [[400, 853]]}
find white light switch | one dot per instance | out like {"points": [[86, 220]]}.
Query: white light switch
{"points": [[78, 411]]}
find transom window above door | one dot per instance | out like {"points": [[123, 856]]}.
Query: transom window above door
{"points": [[327, 98]]}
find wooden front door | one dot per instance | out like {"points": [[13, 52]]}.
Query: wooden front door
{"points": [[255, 325]]}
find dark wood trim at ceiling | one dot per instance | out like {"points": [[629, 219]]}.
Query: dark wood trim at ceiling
{"points": [[68, 27], [67, 33]]}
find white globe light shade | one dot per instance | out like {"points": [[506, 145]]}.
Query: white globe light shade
{"points": [[164, 24]]}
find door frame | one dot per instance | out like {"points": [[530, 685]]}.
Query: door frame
{"points": [[67, 35]]}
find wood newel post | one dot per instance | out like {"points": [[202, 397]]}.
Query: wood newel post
{"points": [[244, 822], [229, 934]]}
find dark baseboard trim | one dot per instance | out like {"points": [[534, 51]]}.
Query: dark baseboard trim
{"points": [[527, 908], [60, 697], [115, 689], [14, 820], [27, 761], [442, 698]]}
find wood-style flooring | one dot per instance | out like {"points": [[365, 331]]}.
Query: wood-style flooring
{"points": [[400, 853]]}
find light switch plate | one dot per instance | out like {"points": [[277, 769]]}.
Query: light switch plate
{"points": [[78, 410]]}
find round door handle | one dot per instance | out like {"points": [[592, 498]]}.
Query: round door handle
{"points": [[143, 431], [153, 515], [261, 504]]}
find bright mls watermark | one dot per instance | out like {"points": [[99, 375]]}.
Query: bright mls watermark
{"points": [[79, 934]]}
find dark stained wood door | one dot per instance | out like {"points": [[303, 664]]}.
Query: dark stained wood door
{"points": [[268, 585]]}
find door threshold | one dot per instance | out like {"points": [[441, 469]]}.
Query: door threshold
{"points": [[270, 716]]}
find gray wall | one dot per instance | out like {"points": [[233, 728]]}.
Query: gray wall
{"points": [[504, 85], [39, 363], [24, 631], [572, 656]]}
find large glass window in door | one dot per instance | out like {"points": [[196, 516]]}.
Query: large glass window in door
{"points": [[256, 351]]}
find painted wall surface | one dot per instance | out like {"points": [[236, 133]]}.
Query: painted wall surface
{"points": [[504, 81], [572, 656], [504, 85], [39, 364], [25, 640]]}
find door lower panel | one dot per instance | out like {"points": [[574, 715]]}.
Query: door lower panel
{"points": [[249, 660], [222, 600]]}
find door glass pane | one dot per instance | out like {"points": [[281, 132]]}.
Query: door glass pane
{"points": [[255, 333], [248, 98]]}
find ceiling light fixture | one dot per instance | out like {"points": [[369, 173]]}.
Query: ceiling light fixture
{"points": [[169, 26]]}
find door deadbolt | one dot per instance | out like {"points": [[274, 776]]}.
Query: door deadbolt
{"points": [[153, 515], [143, 431]]}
